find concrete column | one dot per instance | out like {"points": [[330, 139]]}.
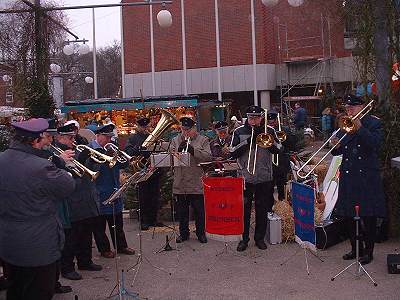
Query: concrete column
{"points": [[265, 99], [58, 91]]}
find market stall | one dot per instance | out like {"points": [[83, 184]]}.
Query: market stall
{"points": [[124, 112]]}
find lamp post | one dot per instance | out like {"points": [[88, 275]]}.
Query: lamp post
{"points": [[164, 19]]}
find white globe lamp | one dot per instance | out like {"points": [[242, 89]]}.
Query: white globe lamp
{"points": [[83, 49], [6, 78], [68, 49], [88, 79], [55, 68], [296, 3], [164, 18], [269, 3]]}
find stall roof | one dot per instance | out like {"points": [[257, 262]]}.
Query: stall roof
{"points": [[129, 103]]}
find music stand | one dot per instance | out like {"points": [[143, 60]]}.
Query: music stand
{"points": [[122, 292], [141, 257], [360, 267]]}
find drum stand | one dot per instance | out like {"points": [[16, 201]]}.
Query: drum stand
{"points": [[360, 268], [303, 246]]}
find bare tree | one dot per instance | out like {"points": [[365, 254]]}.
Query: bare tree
{"points": [[26, 40]]}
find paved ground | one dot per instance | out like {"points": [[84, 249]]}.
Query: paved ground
{"points": [[195, 272]]}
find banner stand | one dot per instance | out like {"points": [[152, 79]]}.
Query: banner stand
{"points": [[303, 198]]}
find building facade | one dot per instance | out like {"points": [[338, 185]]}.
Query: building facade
{"points": [[300, 51]]}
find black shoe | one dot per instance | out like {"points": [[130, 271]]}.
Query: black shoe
{"points": [[181, 239], [63, 289], [350, 255], [145, 227], [242, 246], [261, 245], [91, 267], [72, 275], [366, 259], [202, 239]]}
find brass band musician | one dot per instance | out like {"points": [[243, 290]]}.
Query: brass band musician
{"points": [[220, 144]]}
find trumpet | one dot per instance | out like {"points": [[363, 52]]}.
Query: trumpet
{"points": [[263, 140], [122, 157], [97, 156], [76, 167], [347, 124]]}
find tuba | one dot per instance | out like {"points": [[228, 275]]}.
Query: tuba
{"points": [[166, 121]]}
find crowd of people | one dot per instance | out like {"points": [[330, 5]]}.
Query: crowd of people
{"points": [[53, 193]]}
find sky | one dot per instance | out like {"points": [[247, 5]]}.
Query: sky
{"points": [[80, 20]]}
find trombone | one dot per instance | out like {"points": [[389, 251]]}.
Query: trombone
{"points": [[281, 136], [263, 140], [347, 124], [76, 167], [97, 156]]}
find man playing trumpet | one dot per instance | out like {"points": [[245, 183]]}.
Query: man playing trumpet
{"points": [[187, 186]]}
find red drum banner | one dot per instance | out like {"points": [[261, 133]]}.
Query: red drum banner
{"points": [[223, 197]]}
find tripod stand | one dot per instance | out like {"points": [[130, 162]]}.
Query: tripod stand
{"points": [[306, 249], [360, 268]]}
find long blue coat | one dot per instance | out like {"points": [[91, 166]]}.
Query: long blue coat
{"points": [[107, 182], [360, 182], [31, 233]]}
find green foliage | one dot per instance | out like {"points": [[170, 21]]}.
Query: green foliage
{"points": [[38, 100], [391, 176]]}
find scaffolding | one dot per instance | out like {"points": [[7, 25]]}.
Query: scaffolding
{"points": [[315, 70]]}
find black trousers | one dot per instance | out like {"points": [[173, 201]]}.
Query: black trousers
{"points": [[367, 232], [279, 180], [183, 202], [78, 243], [100, 237], [262, 195], [149, 198], [31, 283]]}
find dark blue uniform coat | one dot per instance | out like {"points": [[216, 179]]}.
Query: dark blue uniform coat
{"points": [[360, 181], [31, 233]]}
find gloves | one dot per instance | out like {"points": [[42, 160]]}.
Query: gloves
{"points": [[191, 150], [83, 156], [182, 146]]}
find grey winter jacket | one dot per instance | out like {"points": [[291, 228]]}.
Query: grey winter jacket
{"points": [[187, 180], [240, 146]]}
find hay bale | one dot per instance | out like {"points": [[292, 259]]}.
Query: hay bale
{"points": [[285, 212]]}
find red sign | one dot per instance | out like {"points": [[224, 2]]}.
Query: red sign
{"points": [[223, 197]]}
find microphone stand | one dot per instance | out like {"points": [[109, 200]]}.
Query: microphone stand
{"points": [[360, 268]]}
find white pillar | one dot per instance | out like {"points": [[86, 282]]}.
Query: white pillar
{"points": [[153, 81], [253, 47], [58, 91], [94, 56], [218, 51], [122, 54], [265, 97], [185, 90]]}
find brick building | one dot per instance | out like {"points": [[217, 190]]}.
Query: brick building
{"points": [[300, 51]]}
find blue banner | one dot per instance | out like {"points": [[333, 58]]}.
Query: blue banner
{"points": [[303, 209]]}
